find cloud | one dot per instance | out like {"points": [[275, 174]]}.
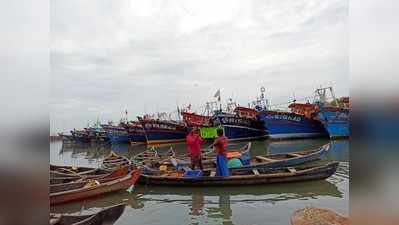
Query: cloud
{"points": [[151, 55]]}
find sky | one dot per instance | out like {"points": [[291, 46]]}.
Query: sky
{"points": [[150, 56]]}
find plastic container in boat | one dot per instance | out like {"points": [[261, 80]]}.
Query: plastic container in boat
{"points": [[193, 173]]}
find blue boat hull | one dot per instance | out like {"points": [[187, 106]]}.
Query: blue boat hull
{"points": [[138, 138], [118, 138], [240, 133], [285, 125], [165, 136], [316, 155], [335, 122], [240, 128]]}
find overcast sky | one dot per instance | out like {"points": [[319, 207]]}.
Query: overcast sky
{"points": [[149, 56]]}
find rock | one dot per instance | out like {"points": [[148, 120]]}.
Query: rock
{"points": [[318, 216]]}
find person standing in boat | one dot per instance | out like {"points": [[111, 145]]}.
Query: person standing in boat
{"points": [[220, 145], [194, 141]]}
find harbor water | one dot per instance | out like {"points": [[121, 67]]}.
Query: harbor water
{"points": [[271, 204]]}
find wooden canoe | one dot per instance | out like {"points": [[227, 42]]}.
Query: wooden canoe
{"points": [[87, 191], [71, 171], [100, 174], [208, 156], [287, 159], [106, 216], [245, 176], [69, 185], [266, 161], [114, 161]]}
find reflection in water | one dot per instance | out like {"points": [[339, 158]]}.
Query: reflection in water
{"points": [[212, 205], [197, 204], [225, 209]]}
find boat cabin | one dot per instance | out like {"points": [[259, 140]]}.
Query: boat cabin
{"points": [[193, 119], [305, 109], [246, 112]]}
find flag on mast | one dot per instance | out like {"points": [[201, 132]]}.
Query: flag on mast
{"points": [[217, 95]]}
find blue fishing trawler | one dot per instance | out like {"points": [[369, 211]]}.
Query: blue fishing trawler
{"points": [[240, 125], [163, 131], [96, 133], [296, 123], [136, 133], [117, 134], [335, 121], [286, 125], [333, 115]]}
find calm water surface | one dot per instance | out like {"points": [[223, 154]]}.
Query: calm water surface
{"points": [[248, 205]]}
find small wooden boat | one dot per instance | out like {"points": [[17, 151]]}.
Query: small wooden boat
{"points": [[264, 161], [313, 215], [55, 183], [105, 216], [93, 188], [67, 171], [244, 176], [287, 159], [98, 174], [115, 161], [208, 155]]}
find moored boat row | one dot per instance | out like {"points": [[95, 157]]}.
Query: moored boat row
{"points": [[257, 121], [117, 172]]}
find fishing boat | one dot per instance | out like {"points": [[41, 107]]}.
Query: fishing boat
{"points": [[118, 133], [244, 176], [80, 135], [73, 170], [246, 162], [136, 133], [95, 132], [208, 154], [114, 161], [240, 125], [286, 159], [82, 181], [106, 216], [192, 119], [66, 137], [335, 121], [287, 125], [163, 131], [84, 190], [66, 176], [333, 115]]}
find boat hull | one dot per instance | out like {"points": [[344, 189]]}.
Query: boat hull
{"points": [[165, 136], [137, 136], [336, 122], [105, 216], [163, 132], [286, 125], [315, 173], [118, 137], [239, 128], [316, 155], [88, 192]]}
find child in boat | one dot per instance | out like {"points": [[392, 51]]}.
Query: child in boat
{"points": [[194, 142], [220, 144]]}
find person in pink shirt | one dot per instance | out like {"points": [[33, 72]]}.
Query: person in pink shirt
{"points": [[194, 141]]}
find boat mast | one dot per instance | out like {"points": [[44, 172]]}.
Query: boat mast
{"points": [[321, 96]]}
